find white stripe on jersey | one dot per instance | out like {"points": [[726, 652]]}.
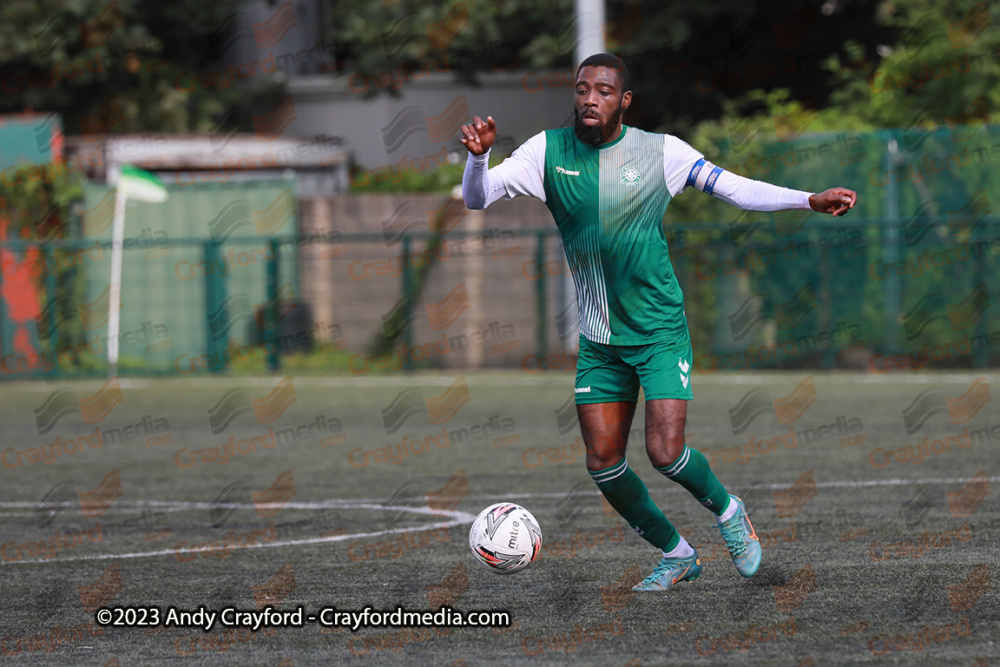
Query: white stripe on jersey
{"points": [[592, 296]]}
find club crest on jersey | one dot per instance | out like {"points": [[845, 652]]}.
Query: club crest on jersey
{"points": [[630, 175]]}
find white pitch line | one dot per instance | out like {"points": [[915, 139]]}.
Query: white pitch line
{"points": [[374, 503], [458, 518], [478, 378], [881, 482], [782, 487], [48, 386], [472, 377], [923, 377]]}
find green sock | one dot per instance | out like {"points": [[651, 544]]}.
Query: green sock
{"points": [[629, 496], [691, 470]]}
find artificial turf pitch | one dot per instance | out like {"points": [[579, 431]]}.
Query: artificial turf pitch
{"points": [[862, 564]]}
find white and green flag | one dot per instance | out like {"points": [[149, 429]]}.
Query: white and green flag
{"points": [[140, 185]]}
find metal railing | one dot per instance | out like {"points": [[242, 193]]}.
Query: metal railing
{"points": [[845, 293]]}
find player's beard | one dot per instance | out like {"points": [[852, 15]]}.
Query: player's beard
{"points": [[594, 134]]}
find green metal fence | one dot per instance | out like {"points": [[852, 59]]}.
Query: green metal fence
{"points": [[218, 281], [174, 252], [813, 298]]}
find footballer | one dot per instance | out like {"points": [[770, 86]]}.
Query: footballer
{"points": [[608, 186]]}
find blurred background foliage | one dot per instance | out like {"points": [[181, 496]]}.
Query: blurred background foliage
{"points": [[695, 66]]}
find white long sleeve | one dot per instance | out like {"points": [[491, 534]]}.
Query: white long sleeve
{"points": [[519, 175], [752, 195], [522, 174], [480, 187], [744, 192]]}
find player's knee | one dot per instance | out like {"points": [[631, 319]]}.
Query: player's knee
{"points": [[665, 453], [601, 461]]}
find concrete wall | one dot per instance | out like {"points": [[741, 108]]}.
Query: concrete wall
{"points": [[483, 288], [381, 132]]}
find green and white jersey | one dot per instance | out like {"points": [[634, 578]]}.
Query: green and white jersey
{"points": [[608, 203]]}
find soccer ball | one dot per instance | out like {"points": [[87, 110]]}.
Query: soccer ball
{"points": [[505, 538]]}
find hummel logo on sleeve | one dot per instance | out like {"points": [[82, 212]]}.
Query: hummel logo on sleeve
{"points": [[582, 390], [567, 172]]}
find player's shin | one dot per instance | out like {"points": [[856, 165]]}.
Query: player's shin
{"points": [[691, 470], [630, 498]]}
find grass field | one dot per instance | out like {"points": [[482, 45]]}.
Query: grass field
{"points": [[862, 564]]}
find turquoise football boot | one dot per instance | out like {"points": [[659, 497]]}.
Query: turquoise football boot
{"points": [[671, 571], [741, 539]]}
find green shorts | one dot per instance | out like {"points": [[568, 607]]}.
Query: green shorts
{"points": [[612, 373]]}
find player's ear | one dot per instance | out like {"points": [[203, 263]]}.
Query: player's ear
{"points": [[626, 99]]}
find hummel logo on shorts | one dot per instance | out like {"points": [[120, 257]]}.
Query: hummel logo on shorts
{"points": [[582, 390]]}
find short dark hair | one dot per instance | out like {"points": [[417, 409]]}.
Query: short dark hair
{"points": [[610, 61]]}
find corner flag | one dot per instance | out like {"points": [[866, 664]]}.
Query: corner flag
{"points": [[138, 185]]}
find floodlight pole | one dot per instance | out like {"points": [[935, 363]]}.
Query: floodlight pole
{"points": [[589, 40], [589, 28]]}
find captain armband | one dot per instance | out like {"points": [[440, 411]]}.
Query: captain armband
{"points": [[703, 175]]}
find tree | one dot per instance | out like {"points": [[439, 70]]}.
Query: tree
{"points": [[943, 67], [687, 59], [110, 66]]}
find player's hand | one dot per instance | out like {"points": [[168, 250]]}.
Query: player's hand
{"points": [[478, 135], [836, 201]]}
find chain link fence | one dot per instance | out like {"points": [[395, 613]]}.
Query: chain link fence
{"points": [[218, 280]]}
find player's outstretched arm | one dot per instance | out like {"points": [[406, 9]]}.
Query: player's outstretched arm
{"points": [[477, 137], [753, 195], [836, 201], [519, 175]]}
